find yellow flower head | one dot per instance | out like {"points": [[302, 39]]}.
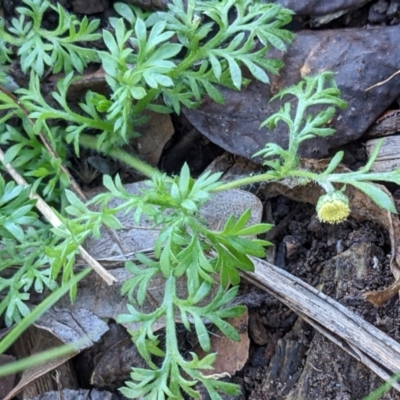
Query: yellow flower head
{"points": [[333, 207]]}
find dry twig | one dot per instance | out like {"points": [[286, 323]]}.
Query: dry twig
{"points": [[50, 215]]}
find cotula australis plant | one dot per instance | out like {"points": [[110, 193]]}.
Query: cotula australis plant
{"points": [[156, 61]]}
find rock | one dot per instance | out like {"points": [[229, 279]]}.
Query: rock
{"points": [[377, 13], [393, 9], [360, 58], [381, 6], [88, 7], [149, 4], [317, 7]]}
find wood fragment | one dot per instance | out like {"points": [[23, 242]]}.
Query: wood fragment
{"points": [[388, 158], [50, 215], [74, 185], [360, 339]]}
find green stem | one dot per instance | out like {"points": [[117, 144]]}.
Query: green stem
{"points": [[291, 162], [81, 120], [327, 186], [245, 181], [142, 104], [299, 173], [197, 53], [324, 181], [301, 108], [173, 358], [268, 176], [171, 347], [91, 142], [294, 143], [187, 63], [147, 170]]}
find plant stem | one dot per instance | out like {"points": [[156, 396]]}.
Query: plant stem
{"points": [[291, 162], [91, 142], [245, 181], [142, 104], [327, 186], [172, 356], [170, 328]]}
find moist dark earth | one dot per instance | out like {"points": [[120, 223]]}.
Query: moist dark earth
{"points": [[287, 358]]}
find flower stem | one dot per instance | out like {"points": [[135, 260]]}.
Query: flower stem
{"points": [[327, 186], [91, 142], [245, 181]]}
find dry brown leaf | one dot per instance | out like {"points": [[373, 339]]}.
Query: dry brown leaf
{"points": [[231, 355], [380, 297]]}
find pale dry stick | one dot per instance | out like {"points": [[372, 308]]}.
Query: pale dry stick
{"points": [[49, 214], [74, 185], [383, 82], [363, 341]]}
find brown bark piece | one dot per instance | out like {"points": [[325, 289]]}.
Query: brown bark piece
{"points": [[154, 134], [257, 329], [115, 356], [386, 124], [285, 366]]}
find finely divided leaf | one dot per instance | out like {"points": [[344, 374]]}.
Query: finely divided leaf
{"points": [[376, 194]]}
